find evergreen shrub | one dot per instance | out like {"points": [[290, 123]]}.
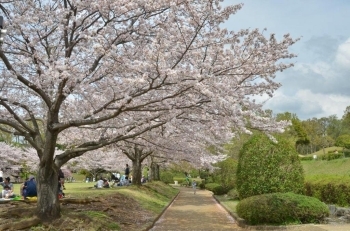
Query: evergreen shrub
{"points": [[268, 167], [167, 177], [215, 188], [282, 209], [233, 194], [329, 189], [332, 156], [225, 175]]}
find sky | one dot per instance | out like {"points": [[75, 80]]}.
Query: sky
{"points": [[319, 83]]}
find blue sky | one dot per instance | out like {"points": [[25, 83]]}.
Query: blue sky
{"points": [[319, 83]]}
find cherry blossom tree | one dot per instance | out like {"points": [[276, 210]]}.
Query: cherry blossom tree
{"points": [[88, 74], [101, 159]]}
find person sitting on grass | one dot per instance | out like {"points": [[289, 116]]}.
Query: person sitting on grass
{"points": [[7, 193], [7, 183], [99, 183], [105, 183], [29, 188]]}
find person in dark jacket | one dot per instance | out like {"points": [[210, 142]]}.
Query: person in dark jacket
{"points": [[61, 178], [29, 188], [127, 172]]}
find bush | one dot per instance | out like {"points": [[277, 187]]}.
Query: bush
{"points": [[332, 156], [215, 188], [226, 174], [204, 174], [233, 194], [167, 177], [329, 189], [268, 167], [202, 185], [347, 153], [281, 209], [306, 158]]}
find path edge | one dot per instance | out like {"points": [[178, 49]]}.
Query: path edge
{"points": [[161, 214]]}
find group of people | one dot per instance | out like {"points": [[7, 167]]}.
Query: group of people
{"points": [[27, 189], [117, 179]]}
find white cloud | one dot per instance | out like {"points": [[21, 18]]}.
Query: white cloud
{"points": [[307, 104], [343, 54]]}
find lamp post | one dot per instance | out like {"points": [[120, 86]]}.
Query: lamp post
{"points": [[2, 30]]}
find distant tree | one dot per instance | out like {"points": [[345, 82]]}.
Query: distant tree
{"points": [[345, 121], [296, 131], [343, 141]]}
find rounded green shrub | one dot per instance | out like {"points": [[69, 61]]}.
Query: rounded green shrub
{"points": [[265, 166], [167, 177], [281, 209], [233, 194], [215, 188]]}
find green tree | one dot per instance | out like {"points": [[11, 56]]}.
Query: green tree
{"points": [[346, 121], [226, 174], [343, 141], [296, 132], [265, 166]]}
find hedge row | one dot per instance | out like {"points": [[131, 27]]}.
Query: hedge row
{"points": [[328, 156], [329, 189], [217, 189]]}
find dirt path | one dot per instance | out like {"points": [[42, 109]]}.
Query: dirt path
{"points": [[201, 212], [194, 212]]}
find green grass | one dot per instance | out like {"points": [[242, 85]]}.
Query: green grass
{"points": [[229, 204], [338, 167], [153, 196]]}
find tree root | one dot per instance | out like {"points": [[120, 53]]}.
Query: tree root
{"points": [[24, 224]]}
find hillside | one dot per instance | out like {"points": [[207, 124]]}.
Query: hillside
{"points": [[324, 167], [320, 152]]}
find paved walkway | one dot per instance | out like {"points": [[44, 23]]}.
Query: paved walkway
{"points": [[201, 212], [195, 212]]}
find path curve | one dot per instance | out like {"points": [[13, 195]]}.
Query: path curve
{"points": [[195, 212]]}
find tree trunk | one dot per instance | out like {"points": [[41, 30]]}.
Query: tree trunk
{"points": [[155, 171], [48, 205], [137, 168]]}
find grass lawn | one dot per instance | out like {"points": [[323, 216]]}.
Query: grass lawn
{"points": [[337, 167], [129, 208]]}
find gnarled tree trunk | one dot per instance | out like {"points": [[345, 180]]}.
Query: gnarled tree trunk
{"points": [[48, 205]]}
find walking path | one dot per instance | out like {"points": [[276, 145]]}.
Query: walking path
{"points": [[194, 212], [201, 212]]}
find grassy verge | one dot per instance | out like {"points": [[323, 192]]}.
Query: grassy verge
{"points": [[229, 204], [129, 208]]}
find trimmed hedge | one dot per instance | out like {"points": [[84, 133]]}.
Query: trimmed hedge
{"points": [[306, 158], [332, 156], [282, 209], [215, 188], [329, 189]]}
